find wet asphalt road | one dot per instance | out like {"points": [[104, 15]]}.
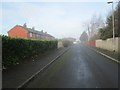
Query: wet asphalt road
{"points": [[79, 67]]}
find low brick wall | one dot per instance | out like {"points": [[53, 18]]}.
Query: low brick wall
{"points": [[91, 43], [108, 44]]}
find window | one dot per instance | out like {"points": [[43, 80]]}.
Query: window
{"points": [[30, 34], [39, 36], [33, 35]]}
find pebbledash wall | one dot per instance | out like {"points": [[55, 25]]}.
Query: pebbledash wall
{"points": [[108, 44], [60, 44]]}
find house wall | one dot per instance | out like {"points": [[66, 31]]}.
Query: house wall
{"points": [[43, 37], [33, 35], [18, 31], [49, 38]]}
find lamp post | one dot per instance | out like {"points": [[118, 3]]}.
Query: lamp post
{"points": [[109, 2]]}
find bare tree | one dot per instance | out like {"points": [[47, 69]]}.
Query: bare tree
{"points": [[87, 28], [93, 27]]}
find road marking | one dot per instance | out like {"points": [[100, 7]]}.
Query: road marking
{"points": [[108, 56], [115, 60], [34, 75]]}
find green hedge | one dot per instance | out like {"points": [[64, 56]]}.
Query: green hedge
{"points": [[14, 50], [67, 43]]}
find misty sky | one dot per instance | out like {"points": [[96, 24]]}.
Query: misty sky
{"points": [[60, 19]]}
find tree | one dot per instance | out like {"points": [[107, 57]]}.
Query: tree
{"points": [[96, 23], [70, 39], [84, 37], [118, 19], [107, 31], [87, 27], [67, 41], [93, 25]]}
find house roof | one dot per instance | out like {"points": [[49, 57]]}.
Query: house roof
{"points": [[36, 31]]}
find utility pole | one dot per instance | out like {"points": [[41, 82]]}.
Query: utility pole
{"points": [[113, 23]]}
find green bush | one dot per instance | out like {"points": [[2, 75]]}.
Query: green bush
{"points": [[67, 43], [14, 50]]}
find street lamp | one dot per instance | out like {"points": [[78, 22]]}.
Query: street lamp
{"points": [[109, 2]]}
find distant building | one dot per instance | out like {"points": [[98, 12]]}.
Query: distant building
{"points": [[24, 32]]}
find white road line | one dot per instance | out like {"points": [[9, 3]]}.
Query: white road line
{"points": [[105, 55]]}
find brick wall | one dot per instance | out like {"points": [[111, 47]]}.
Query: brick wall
{"points": [[91, 43], [18, 31]]}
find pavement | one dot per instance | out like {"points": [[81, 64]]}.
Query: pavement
{"points": [[112, 54], [17, 75], [79, 67]]}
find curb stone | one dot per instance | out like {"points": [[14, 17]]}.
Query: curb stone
{"points": [[38, 72], [115, 60]]}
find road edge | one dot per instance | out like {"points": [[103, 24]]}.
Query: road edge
{"points": [[37, 73], [115, 60]]}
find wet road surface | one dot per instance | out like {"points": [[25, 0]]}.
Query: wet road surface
{"points": [[79, 67]]}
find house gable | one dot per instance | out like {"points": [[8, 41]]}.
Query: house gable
{"points": [[18, 31], [24, 32]]}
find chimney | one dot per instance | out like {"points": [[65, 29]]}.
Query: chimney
{"points": [[24, 25], [33, 28], [42, 31]]}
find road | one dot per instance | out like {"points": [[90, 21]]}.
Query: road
{"points": [[79, 67]]}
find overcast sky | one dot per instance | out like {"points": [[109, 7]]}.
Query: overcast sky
{"points": [[60, 19]]}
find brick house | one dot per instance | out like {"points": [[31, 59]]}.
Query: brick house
{"points": [[24, 32]]}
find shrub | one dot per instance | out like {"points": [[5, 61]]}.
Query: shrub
{"points": [[67, 43], [16, 49]]}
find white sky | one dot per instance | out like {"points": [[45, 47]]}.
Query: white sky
{"points": [[57, 0], [60, 19]]}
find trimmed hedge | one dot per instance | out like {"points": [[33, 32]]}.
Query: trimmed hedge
{"points": [[14, 50], [67, 43]]}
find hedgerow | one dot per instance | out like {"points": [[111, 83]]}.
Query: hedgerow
{"points": [[14, 50], [67, 43]]}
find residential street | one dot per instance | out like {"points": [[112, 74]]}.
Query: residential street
{"points": [[79, 67], [60, 44]]}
